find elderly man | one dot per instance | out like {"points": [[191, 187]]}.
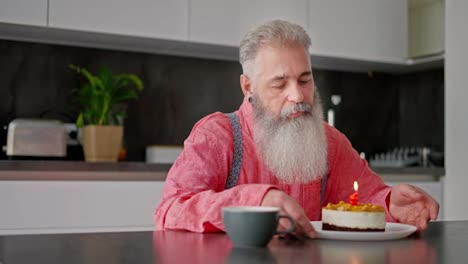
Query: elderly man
{"points": [[276, 150]]}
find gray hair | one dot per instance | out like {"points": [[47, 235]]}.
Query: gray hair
{"points": [[272, 32]]}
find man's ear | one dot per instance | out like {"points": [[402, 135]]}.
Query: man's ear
{"points": [[246, 85]]}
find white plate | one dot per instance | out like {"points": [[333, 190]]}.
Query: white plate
{"points": [[392, 231]]}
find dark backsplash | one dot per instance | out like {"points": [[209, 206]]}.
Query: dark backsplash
{"points": [[382, 111], [377, 112]]}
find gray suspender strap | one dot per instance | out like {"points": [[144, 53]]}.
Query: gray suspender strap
{"points": [[238, 151], [323, 188]]}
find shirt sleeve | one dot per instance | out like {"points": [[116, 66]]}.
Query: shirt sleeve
{"points": [[194, 190], [345, 167]]}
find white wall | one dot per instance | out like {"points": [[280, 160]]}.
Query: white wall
{"points": [[456, 110]]}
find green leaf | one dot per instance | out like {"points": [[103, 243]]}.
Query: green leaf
{"points": [[93, 80], [79, 121], [132, 78], [124, 95], [98, 97]]}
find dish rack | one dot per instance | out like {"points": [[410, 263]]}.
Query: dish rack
{"points": [[397, 158]]}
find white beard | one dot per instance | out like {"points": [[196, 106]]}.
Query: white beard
{"points": [[295, 150]]}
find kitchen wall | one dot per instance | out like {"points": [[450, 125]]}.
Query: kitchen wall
{"points": [[421, 108], [456, 43], [378, 111]]}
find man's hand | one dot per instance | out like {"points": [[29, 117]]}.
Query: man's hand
{"points": [[288, 206], [411, 205]]}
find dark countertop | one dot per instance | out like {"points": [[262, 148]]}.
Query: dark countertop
{"points": [[138, 171], [442, 242], [410, 174], [80, 170], [436, 171], [49, 165]]}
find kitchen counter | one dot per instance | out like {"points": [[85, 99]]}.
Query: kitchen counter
{"points": [[80, 170], [59, 193], [112, 196], [141, 171], [410, 173]]}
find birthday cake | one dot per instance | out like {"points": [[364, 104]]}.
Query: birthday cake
{"points": [[347, 217]]}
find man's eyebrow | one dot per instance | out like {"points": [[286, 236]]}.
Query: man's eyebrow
{"points": [[278, 78], [283, 77], [306, 73]]}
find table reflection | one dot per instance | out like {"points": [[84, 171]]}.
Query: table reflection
{"points": [[250, 255], [185, 247], [403, 251]]}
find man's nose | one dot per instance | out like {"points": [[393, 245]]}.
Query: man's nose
{"points": [[295, 94]]}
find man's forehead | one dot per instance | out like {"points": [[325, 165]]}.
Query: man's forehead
{"points": [[274, 64]]}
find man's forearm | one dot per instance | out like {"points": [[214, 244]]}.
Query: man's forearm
{"points": [[201, 211]]}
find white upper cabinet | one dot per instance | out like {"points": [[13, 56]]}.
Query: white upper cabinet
{"points": [[376, 34], [392, 30], [27, 12], [426, 27], [226, 22], [147, 18], [215, 22], [373, 30]]}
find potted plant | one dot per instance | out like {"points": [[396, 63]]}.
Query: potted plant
{"points": [[102, 109]]}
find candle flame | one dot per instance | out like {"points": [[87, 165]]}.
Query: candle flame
{"points": [[355, 186]]}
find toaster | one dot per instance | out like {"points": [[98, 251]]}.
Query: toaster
{"points": [[36, 138]]}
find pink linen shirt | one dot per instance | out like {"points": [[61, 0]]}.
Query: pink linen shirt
{"points": [[194, 191]]}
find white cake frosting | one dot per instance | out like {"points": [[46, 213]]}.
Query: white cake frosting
{"points": [[354, 219]]}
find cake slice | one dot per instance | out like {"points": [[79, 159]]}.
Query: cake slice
{"points": [[346, 217]]}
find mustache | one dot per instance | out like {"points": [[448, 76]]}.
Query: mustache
{"points": [[299, 107]]}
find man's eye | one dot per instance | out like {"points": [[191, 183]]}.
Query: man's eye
{"points": [[304, 81], [278, 86]]}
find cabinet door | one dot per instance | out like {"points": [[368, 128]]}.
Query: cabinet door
{"points": [[77, 206], [226, 22], [426, 27], [392, 30], [147, 18], [343, 28], [358, 29], [27, 12]]}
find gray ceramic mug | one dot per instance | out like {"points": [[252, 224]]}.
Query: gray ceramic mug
{"points": [[253, 226]]}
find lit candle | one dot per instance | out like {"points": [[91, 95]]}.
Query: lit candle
{"points": [[353, 198]]}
